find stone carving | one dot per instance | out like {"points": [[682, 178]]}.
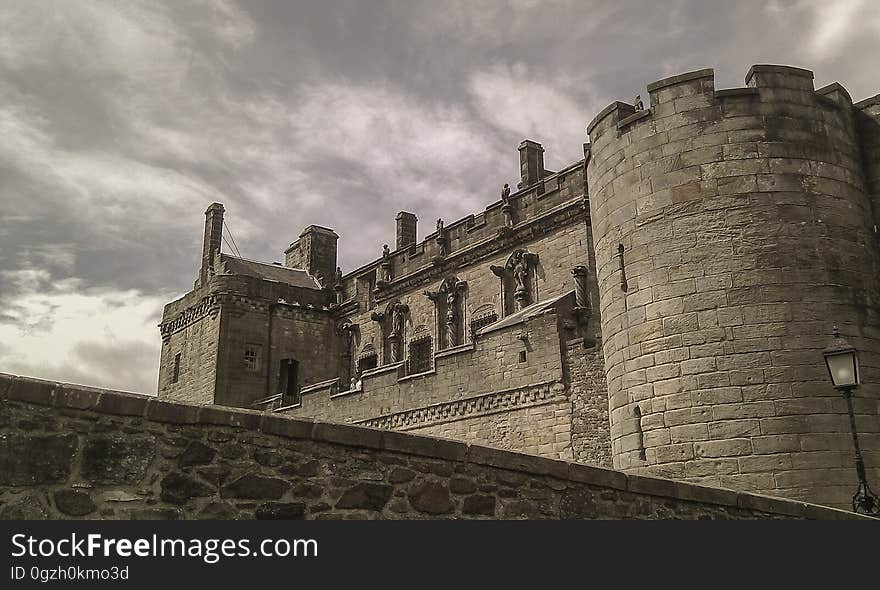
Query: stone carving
{"points": [[581, 292], [506, 206], [441, 240], [449, 296], [637, 103], [337, 285], [516, 275], [385, 265]]}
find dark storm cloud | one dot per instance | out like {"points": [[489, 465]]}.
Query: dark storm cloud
{"points": [[122, 121]]}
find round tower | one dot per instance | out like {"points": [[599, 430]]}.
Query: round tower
{"points": [[732, 231]]}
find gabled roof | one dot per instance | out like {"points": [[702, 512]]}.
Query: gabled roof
{"points": [[295, 277], [524, 314]]}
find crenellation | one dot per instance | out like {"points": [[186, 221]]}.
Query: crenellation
{"points": [[659, 306]]}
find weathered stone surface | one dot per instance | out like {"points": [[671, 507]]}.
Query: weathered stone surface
{"points": [[36, 459], [74, 503], [479, 504], [281, 511], [117, 459], [196, 453], [430, 497], [349, 482], [28, 507], [178, 487], [367, 496], [462, 485], [255, 487]]}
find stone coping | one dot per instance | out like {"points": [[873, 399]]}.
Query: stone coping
{"points": [[835, 87], [777, 69], [77, 397], [871, 101], [724, 92], [686, 77]]}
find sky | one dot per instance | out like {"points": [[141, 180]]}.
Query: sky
{"points": [[122, 120]]}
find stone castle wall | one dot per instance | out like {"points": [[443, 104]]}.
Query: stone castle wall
{"points": [[73, 452], [747, 234]]}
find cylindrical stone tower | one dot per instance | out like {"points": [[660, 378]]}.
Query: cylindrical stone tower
{"points": [[747, 234]]}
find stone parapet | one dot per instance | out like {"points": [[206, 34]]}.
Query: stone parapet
{"points": [[110, 454]]}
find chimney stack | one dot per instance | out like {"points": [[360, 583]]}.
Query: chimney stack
{"points": [[212, 239], [314, 252], [531, 162], [406, 229]]}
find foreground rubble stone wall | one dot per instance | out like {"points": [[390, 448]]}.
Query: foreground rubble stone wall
{"points": [[75, 452]]}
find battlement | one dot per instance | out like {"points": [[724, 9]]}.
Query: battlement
{"points": [[732, 229], [555, 191]]}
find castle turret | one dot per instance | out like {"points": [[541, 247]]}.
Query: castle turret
{"points": [[732, 231]]}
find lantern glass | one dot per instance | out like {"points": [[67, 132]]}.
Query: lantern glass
{"points": [[843, 368]]}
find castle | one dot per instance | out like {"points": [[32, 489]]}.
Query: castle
{"points": [[659, 306]]}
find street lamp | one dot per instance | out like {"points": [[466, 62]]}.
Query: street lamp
{"points": [[842, 361]]}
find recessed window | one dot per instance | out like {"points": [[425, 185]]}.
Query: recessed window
{"points": [[522, 356], [420, 352], [175, 371], [486, 319], [367, 362], [252, 358]]}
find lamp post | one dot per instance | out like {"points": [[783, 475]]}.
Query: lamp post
{"points": [[842, 361]]}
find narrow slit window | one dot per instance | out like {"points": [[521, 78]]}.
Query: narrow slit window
{"points": [[175, 371]]}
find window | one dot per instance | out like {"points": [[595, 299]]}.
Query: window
{"points": [[252, 358], [175, 372], [522, 356], [420, 352], [486, 318], [365, 363]]}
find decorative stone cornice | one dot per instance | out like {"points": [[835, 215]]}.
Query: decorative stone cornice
{"points": [[488, 403], [209, 305], [563, 215]]}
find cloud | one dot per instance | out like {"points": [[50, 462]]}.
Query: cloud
{"points": [[524, 103], [59, 330], [122, 119]]}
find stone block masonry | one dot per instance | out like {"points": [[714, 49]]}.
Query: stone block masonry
{"points": [[748, 232], [74, 452]]}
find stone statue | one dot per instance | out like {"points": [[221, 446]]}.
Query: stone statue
{"points": [[386, 265], [506, 206], [338, 280], [520, 270], [397, 319], [441, 239], [638, 103], [450, 307]]}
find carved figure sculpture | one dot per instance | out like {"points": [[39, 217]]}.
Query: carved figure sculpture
{"points": [[637, 102]]}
